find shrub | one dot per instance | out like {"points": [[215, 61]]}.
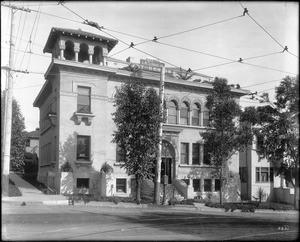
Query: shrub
{"points": [[66, 167], [13, 190]]}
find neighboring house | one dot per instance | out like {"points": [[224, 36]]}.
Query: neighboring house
{"points": [[76, 105], [32, 142], [257, 173]]}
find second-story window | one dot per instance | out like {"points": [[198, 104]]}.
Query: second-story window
{"points": [[83, 148], [184, 113], [172, 112], [84, 100], [196, 115], [196, 154], [206, 155]]}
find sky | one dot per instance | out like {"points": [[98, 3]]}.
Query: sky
{"points": [[207, 37]]}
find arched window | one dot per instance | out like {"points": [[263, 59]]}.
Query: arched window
{"points": [[172, 112], [83, 53], [184, 113], [196, 114], [97, 56], [69, 50]]}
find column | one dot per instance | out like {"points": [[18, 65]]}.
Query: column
{"points": [[76, 51], [190, 153], [178, 115], [212, 185], [91, 52], [201, 118], [62, 47], [201, 185], [104, 54], [201, 154], [190, 116]]}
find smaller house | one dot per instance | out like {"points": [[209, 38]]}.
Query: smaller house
{"points": [[32, 142]]}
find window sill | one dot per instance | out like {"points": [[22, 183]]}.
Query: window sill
{"points": [[79, 163], [84, 116]]}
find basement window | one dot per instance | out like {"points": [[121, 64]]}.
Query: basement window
{"points": [[83, 182]]}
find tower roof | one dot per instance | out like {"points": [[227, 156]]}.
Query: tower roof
{"points": [[55, 32]]}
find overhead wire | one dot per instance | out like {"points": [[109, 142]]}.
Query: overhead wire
{"points": [[283, 47]]}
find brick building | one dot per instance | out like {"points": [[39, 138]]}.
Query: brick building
{"points": [[76, 106]]}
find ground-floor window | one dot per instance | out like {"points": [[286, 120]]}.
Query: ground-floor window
{"points": [[264, 174], [217, 185], [207, 185], [83, 182], [196, 185], [121, 185]]}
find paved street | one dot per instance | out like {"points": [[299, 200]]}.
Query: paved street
{"points": [[40, 222]]}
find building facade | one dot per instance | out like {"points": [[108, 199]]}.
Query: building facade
{"points": [[76, 105], [32, 142]]}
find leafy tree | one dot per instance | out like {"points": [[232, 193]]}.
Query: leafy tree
{"points": [[137, 119], [225, 135], [18, 137], [278, 124]]}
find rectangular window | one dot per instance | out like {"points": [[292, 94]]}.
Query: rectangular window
{"points": [[196, 185], [83, 182], [217, 185], [121, 185], [206, 155], [264, 174], [196, 154], [260, 143], [184, 116], [187, 181], [207, 185], [83, 148], [184, 153], [84, 100]]}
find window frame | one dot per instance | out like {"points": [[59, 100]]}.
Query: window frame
{"points": [[172, 115], [119, 187], [269, 171], [197, 184], [84, 158], [80, 105], [184, 113], [184, 154], [205, 185], [196, 156], [196, 107]]}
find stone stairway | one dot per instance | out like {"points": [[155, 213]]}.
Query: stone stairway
{"points": [[171, 192]]}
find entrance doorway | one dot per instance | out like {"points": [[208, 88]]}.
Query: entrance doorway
{"points": [[166, 169]]}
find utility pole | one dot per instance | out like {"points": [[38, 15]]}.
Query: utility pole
{"points": [[6, 142], [158, 161]]}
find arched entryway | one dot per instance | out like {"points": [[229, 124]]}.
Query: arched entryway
{"points": [[167, 161]]}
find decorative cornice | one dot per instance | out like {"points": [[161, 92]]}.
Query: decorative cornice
{"points": [[68, 94]]}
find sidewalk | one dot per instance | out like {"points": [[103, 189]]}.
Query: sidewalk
{"points": [[31, 194]]}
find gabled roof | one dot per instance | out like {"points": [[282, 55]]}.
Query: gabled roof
{"points": [[55, 32]]}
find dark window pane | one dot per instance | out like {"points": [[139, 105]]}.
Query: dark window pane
{"points": [[206, 155], [121, 185], [196, 185], [83, 148], [217, 185], [271, 174], [207, 185], [195, 115], [83, 182], [196, 155]]}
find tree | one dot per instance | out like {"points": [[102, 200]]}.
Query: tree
{"points": [[278, 125], [225, 135], [137, 119], [18, 137]]}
